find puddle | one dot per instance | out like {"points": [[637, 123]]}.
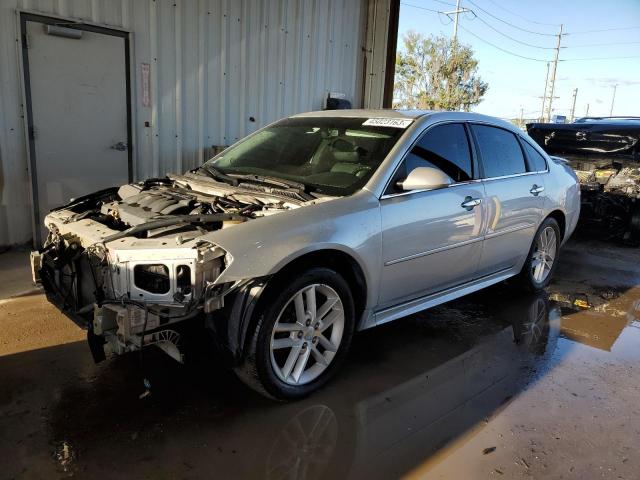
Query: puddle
{"points": [[545, 382]]}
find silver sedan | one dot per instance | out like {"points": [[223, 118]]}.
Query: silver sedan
{"points": [[312, 228]]}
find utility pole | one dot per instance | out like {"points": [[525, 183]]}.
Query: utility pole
{"points": [[553, 73], [455, 13], [573, 105], [521, 116], [613, 99], [586, 114], [544, 95]]}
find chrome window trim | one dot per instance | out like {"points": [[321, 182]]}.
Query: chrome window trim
{"points": [[525, 174]]}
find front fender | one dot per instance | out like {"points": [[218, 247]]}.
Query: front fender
{"points": [[261, 247]]}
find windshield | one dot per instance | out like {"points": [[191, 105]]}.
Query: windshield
{"points": [[334, 156]]}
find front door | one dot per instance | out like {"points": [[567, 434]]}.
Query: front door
{"points": [[76, 84], [430, 240]]}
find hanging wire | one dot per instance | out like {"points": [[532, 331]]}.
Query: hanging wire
{"points": [[420, 8], [512, 38], [522, 16], [601, 30], [597, 58], [500, 48], [601, 44], [509, 23], [445, 3]]}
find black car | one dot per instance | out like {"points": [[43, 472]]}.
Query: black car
{"points": [[605, 154]]}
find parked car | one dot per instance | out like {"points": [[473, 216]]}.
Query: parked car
{"points": [[314, 227], [605, 154]]}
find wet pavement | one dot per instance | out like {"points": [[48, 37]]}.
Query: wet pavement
{"points": [[496, 385]]}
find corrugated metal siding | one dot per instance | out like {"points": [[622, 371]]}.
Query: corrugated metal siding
{"points": [[214, 64]]}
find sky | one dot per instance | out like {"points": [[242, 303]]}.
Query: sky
{"points": [[516, 83]]}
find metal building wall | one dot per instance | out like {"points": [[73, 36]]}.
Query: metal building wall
{"points": [[215, 64]]}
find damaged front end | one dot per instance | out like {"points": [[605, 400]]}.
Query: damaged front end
{"points": [[610, 193], [131, 266]]}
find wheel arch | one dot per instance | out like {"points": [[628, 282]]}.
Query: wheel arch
{"points": [[338, 260], [242, 316], [560, 217]]}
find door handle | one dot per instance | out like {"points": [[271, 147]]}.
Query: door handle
{"points": [[536, 189], [120, 146], [470, 203]]}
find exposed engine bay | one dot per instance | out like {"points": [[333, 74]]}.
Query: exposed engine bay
{"points": [[610, 196], [129, 264]]}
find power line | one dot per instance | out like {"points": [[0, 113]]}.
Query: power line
{"points": [[440, 14], [601, 30], [511, 24], [522, 16], [445, 3], [500, 48], [597, 58], [512, 38], [421, 8], [601, 44]]}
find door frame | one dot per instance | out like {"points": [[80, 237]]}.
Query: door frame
{"points": [[22, 17]]}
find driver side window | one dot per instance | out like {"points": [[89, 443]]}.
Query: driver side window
{"points": [[445, 147]]}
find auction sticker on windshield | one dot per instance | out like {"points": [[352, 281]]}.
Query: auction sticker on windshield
{"points": [[388, 122]]}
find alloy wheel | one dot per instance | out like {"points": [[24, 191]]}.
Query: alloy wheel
{"points": [[544, 254], [307, 334]]}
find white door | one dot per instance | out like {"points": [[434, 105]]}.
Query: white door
{"points": [[78, 124]]}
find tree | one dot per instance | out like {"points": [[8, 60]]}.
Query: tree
{"points": [[436, 73]]}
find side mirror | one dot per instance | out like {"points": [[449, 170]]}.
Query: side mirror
{"points": [[425, 178]]}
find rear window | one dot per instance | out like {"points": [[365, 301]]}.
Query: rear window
{"points": [[537, 162], [500, 151]]}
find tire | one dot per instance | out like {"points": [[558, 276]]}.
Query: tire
{"points": [[292, 360], [531, 277]]}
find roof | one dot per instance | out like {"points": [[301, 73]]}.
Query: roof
{"points": [[367, 113], [436, 115]]}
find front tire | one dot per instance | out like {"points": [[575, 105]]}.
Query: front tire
{"points": [[302, 335], [542, 259]]}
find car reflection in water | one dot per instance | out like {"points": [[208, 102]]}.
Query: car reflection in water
{"points": [[408, 390], [400, 427]]}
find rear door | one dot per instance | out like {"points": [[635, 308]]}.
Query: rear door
{"points": [[514, 199], [76, 83], [431, 241]]}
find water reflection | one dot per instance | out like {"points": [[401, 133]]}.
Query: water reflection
{"points": [[408, 389], [305, 445]]}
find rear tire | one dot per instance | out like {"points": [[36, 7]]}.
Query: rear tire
{"points": [[542, 258], [303, 333]]}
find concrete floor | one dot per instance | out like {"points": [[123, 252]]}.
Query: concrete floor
{"points": [[496, 385]]}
